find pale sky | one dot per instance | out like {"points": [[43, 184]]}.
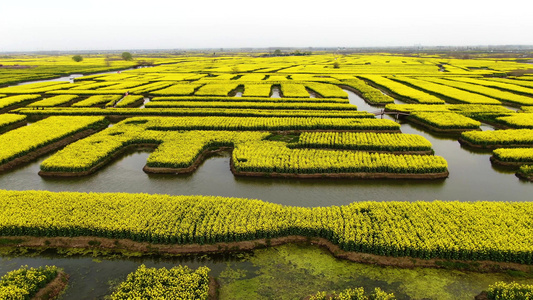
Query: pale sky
{"points": [[160, 24]]}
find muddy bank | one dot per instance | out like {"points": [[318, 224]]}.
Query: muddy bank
{"points": [[144, 248]]}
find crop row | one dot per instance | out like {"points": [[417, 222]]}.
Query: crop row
{"points": [[251, 105], [97, 100], [8, 102], [445, 120], [178, 89], [483, 90], [10, 119], [448, 92], [270, 124], [179, 282], [25, 282], [498, 85], [368, 141], [294, 90], [368, 92], [257, 90], [514, 155], [469, 110], [54, 101], [499, 138], [276, 157], [497, 231], [517, 121], [21, 141], [327, 90], [404, 91], [221, 112], [251, 99]]}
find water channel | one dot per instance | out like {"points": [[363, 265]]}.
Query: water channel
{"points": [[290, 271]]}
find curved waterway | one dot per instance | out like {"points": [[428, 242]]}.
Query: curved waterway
{"points": [[285, 272], [472, 178]]}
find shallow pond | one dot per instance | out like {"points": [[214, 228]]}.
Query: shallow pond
{"points": [[283, 272]]}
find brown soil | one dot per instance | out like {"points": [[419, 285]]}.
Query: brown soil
{"points": [[440, 130], [469, 144], [213, 288], [53, 289], [45, 149], [101, 164], [175, 249]]}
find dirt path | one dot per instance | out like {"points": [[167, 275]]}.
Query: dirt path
{"points": [[54, 288]]}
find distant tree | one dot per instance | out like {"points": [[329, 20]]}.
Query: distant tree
{"points": [[127, 56], [277, 52], [336, 65], [77, 58]]}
